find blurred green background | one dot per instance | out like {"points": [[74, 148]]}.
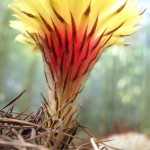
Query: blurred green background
{"points": [[117, 94]]}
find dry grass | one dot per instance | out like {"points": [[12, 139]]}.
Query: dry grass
{"points": [[23, 131]]}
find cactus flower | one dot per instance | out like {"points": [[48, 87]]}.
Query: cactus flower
{"points": [[71, 36]]}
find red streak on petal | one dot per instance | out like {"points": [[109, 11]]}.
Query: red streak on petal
{"points": [[71, 61]]}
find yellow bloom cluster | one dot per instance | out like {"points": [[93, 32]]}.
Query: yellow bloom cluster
{"points": [[112, 17]]}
